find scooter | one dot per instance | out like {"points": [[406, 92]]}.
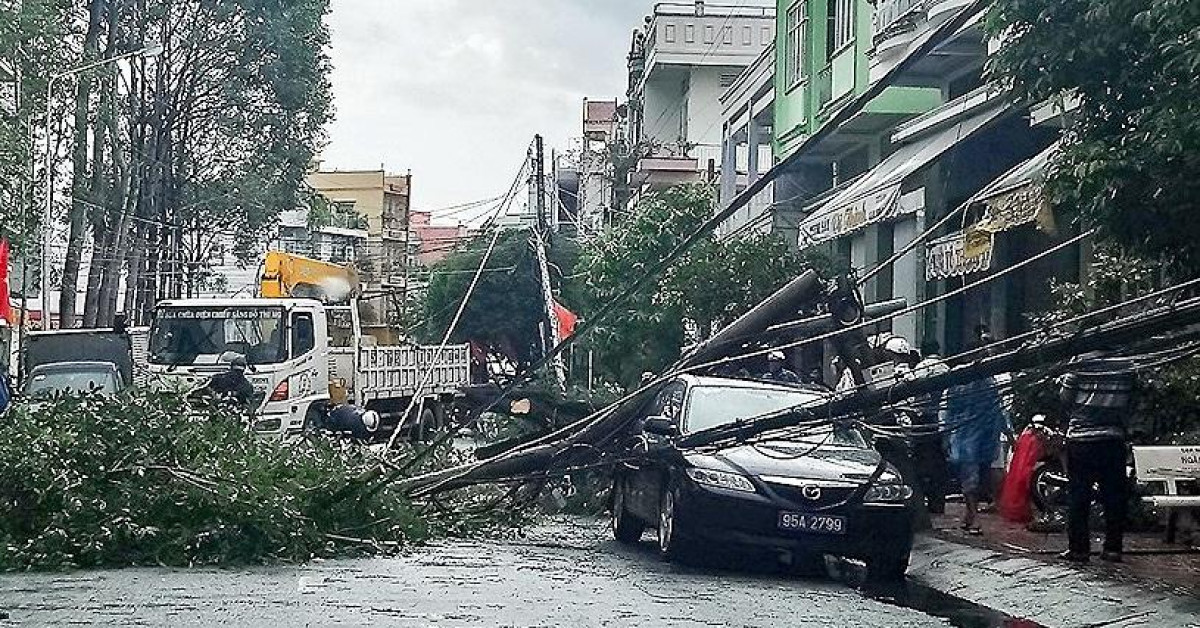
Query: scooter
{"points": [[1049, 491]]}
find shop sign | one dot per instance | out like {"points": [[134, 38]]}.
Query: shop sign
{"points": [[880, 205], [958, 254]]}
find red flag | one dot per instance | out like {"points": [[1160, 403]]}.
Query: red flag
{"points": [[5, 305], [566, 321]]}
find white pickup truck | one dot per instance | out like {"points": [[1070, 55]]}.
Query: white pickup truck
{"points": [[305, 358]]}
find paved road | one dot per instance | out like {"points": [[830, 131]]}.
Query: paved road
{"points": [[567, 574]]}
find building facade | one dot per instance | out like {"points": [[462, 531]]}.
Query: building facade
{"points": [[680, 63], [384, 201], [898, 160]]}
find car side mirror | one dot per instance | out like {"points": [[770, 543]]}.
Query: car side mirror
{"points": [[660, 426]]}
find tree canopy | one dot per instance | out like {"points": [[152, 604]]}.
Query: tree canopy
{"points": [[717, 281], [1131, 149], [506, 308]]}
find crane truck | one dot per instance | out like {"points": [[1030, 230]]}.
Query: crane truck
{"points": [[308, 353]]}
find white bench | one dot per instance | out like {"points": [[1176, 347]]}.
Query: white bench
{"points": [[1167, 467]]}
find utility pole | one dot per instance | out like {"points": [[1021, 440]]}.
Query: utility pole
{"points": [[539, 182], [550, 338]]}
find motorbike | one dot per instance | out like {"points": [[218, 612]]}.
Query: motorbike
{"points": [[1049, 490]]}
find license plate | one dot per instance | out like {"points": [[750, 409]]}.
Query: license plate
{"points": [[813, 524]]}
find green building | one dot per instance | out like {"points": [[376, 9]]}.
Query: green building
{"points": [[824, 51]]}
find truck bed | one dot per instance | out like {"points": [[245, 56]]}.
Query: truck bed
{"points": [[394, 372]]}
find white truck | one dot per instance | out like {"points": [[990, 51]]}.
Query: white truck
{"points": [[305, 359]]}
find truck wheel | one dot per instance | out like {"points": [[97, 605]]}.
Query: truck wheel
{"points": [[314, 419], [427, 426]]}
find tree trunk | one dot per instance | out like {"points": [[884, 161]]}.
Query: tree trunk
{"points": [[79, 164]]}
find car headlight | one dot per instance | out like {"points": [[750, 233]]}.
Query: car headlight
{"points": [[888, 493], [721, 479]]}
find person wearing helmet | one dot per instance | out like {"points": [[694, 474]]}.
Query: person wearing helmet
{"points": [[232, 384], [777, 369]]}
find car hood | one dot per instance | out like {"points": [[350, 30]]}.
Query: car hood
{"points": [[798, 460]]}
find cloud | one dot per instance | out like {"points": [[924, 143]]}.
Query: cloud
{"points": [[455, 89]]}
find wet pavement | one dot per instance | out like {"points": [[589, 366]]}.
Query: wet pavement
{"points": [[569, 573], [1150, 561]]}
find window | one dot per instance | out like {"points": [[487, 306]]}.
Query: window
{"points": [[796, 45], [670, 401], [727, 35], [669, 33], [303, 338], [709, 34], [841, 26], [748, 35], [689, 33]]}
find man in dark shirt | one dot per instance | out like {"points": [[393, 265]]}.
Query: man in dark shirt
{"points": [[1098, 393], [232, 384]]}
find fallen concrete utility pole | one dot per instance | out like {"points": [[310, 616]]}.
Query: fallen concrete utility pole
{"points": [[596, 430], [1144, 330]]}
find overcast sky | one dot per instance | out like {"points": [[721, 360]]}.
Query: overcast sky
{"points": [[455, 89]]}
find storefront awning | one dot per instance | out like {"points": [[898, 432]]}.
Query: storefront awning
{"points": [[1012, 200], [875, 196]]}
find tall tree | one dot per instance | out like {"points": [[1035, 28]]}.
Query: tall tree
{"points": [[204, 144], [1131, 150]]}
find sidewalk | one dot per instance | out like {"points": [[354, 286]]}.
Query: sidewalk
{"points": [[1148, 558], [1013, 571]]}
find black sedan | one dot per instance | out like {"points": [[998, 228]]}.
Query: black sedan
{"points": [[822, 491]]}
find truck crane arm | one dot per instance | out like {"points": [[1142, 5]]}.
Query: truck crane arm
{"points": [[288, 276]]}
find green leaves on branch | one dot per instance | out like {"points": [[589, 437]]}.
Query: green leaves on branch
{"points": [[148, 479], [717, 281], [1131, 155]]}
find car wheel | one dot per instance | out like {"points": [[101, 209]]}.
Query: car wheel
{"points": [[626, 527], [888, 567], [672, 545]]}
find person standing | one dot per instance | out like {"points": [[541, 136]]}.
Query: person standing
{"points": [[974, 419], [232, 384], [928, 443], [777, 369], [1098, 393]]}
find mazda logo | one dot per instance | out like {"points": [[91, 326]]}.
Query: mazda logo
{"points": [[811, 493]]}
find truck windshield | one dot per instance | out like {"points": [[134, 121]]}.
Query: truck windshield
{"points": [[199, 336]]}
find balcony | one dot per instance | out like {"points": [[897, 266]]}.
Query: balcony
{"points": [[706, 34], [660, 173]]}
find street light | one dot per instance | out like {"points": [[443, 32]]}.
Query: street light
{"points": [[149, 51]]}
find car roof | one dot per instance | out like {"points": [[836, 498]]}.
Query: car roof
{"points": [[75, 366], [732, 382]]}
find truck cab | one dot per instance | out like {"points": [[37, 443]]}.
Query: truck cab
{"points": [[286, 344]]}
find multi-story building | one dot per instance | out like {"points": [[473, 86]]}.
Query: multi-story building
{"points": [[328, 236], [435, 242], [680, 63], [384, 201], [882, 126], [594, 197]]}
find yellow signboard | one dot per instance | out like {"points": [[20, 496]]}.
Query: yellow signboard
{"points": [[976, 244]]}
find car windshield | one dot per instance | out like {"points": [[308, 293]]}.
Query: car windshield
{"points": [[710, 406], [201, 336], [85, 380]]}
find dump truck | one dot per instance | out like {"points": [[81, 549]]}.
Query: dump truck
{"points": [[307, 353]]}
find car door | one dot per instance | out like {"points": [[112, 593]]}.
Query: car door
{"points": [[650, 463]]}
